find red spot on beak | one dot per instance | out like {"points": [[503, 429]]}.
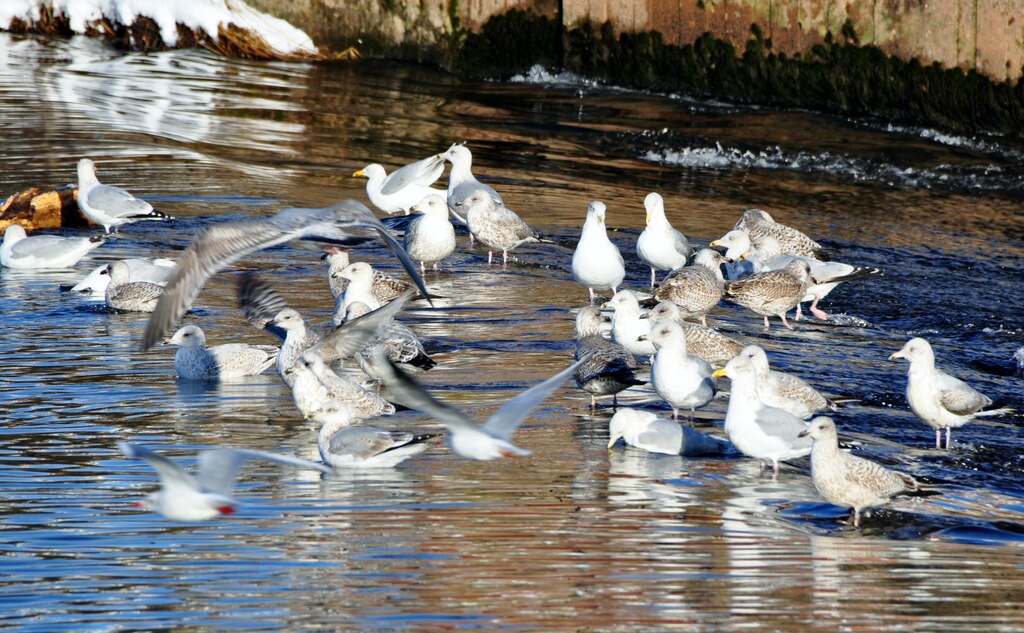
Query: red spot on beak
{"points": [[139, 504], [507, 454], [226, 509]]}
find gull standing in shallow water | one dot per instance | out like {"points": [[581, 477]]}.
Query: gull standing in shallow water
{"points": [[466, 439], [494, 225], [461, 182], [936, 398], [110, 206], [701, 341], [645, 430], [847, 480], [660, 246], [681, 379], [772, 293], [344, 444], [385, 287], [607, 367], [431, 236], [182, 497], [403, 198], [597, 262], [755, 429], [697, 288], [221, 244], [18, 250], [133, 296], [195, 361]]}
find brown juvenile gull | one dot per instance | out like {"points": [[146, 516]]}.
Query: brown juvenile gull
{"points": [[133, 296], [785, 391], [494, 225], [195, 361], [660, 246], [847, 480], [695, 288], [792, 242], [110, 206], [400, 344], [608, 367], [771, 293], [385, 287], [936, 398], [645, 430], [707, 343], [221, 244]]}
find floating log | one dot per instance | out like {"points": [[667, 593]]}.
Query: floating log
{"points": [[37, 209]]}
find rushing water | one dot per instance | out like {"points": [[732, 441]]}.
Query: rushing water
{"points": [[575, 537]]}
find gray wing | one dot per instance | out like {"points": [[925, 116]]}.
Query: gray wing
{"points": [[260, 303], [682, 245], [505, 420], [117, 202], [218, 467], [171, 475], [351, 336], [783, 425], [408, 391], [957, 397], [424, 172], [666, 436], [363, 442], [44, 246]]}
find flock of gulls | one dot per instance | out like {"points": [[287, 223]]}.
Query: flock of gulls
{"points": [[358, 367]]}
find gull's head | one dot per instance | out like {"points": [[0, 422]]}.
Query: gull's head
{"points": [[665, 333], [597, 208], [357, 271], [799, 268], [373, 171], [431, 205], [289, 319], [333, 412], [665, 311], [623, 420], [755, 216], [655, 206], [14, 233], [915, 349], [86, 169], [479, 199], [756, 358], [119, 272], [739, 365], [355, 310], [736, 242], [622, 299], [588, 321], [820, 428], [188, 336], [459, 154], [312, 362], [767, 246], [710, 258], [149, 502]]}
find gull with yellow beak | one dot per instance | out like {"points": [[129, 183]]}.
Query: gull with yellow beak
{"points": [[400, 191], [597, 262], [660, 246]]}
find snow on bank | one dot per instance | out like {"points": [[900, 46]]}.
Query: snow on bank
{"points": [[199, 15]]}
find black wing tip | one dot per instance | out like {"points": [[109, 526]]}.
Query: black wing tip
{"points": [[424, 362]]}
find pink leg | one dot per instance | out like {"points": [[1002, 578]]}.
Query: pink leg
{"points": [[675, 413], [938, 438], [784, 321], [704, 321], [434, 267], [504, 258], [766, 326], [821, 314], [490, 256], [775, 468], [947, 437], [653, 278], [423, 268], [591, 295], [798, 312]]}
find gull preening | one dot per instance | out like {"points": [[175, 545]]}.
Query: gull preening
{"points": [[400, 196], [645, 430], [344, 444], [606, 368], [936, 398], [18, 250], [110, 206], [195, 361], [491, 440], [597, 263], [660, 246], [849, 481]]}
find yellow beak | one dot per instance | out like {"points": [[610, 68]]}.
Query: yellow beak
{"points": [[648, 217], [718, 373], [358, 174], [715, 243]]}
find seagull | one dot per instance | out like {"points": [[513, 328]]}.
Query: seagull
{"points": [[494, 225], [466, 439], [221, 244], [703, 342], [314, 383], [696, 288], [461, 182], [400, 199], [156, 271], [681, 379], [385, 287], [344, 444], [785, 391], [431, 236], [660, 246], [771, 293], [399, 342], [628, 327], [847, 480], [110, 206], [755, 429], [792, 242], [18, 250], [607, 367], [360, 288], [597, 262], [132, 296], [195, 361], [936, 398], [182, 497], [645, 430]]}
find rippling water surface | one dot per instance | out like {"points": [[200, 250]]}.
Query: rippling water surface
{"points": [[576, 537]]}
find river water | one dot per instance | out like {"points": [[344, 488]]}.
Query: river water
{"points": [[575, 537]]}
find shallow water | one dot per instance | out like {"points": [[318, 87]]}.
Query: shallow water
{"points": [[575, 537]]}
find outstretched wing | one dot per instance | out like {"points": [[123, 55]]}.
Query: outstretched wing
{"points": [[260, 303], [172, 476], [506, 419], [351, 336], [424, 172], [411, 393], [218, 467]]}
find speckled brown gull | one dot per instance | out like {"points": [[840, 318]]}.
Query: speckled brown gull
{"points": [[608, 367], [847, 480], [697, 288], [707, 343], [132, 296], [936, 398], [400, 344], [221, 244], [315, 383], [771, 293], [757, 222], [495, 226], [785, 391], [385, 287], [645, 430]]}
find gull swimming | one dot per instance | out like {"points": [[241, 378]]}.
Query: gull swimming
{"points": [[660, 246], [400, 199], [758, 223], [133, 296], [18, 250], [754, 428], [849, 481], [110, 206], [385, 287], [399, 342], [195, 361], [704, 342], [785, 391], [627, 326], [431, 236], [182, 497], [607, 367], [645, 430], [314, 383], [597, 262], [936, 398], [156, 271], [221, 244], [343, 444], [465, 437], [682, 380], [771, 293], [494, 225], [697, 288]]}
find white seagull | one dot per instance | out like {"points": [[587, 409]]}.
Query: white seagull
{"points": [[645, 430], [344, 444], [682, 380], [660, 246], [401, 199], [597, 262], [43, 251], [110, 206]]}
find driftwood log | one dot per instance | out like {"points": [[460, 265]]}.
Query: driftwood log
{"points": [[38, 209]]}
